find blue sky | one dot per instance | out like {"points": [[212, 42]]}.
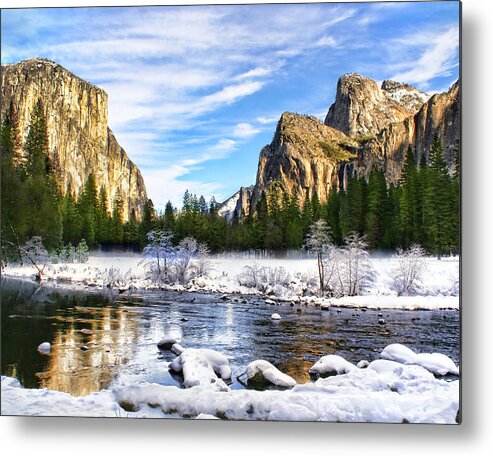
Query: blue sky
{"points": [[195, 92]]}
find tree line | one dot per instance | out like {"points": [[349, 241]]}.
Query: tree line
{"points": [[422, 208]]}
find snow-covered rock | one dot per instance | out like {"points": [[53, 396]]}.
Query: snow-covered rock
{"points": [[437, 363], [362, 364], [177, 349], [263, 371], [275, 316], [45, 347], [331, 365], [203, 367], [166, 343]]}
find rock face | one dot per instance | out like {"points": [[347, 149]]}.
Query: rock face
{"points": [[79, 137], [362, 109], [237, 205], [440, 115], [303, 158], [366, 127]]}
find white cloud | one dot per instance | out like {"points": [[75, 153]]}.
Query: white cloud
{"points": [[245, 130], [225, 144], [437, 56], [267, 120]]}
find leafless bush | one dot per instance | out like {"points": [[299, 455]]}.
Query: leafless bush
{"points": [[114, 278], [202, 264], [251, 276], [262, 278], [184, 254], [159, 254], [409, 270]]}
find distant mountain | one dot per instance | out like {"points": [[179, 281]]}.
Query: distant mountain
{"points": [[80, 140], [367, 126], [361, 108]]}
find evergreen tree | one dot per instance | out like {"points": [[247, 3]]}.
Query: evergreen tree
{"points": [[116, 226], [42, 211], [377, 214], [169, 217], [87, 204], [147, 222], [437, 203], [13, 202], [70, 219], [333, 209], [409, 222]]}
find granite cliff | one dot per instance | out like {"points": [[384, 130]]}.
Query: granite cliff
{"points": [[80, 140], [367, 126]]}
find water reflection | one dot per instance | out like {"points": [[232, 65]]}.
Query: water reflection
{"points": [[98, 342]]}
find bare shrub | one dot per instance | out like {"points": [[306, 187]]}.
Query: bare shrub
{"points": [[159, 254], [183, 257], [409, 270]]}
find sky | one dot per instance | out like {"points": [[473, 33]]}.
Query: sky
{"points": [[195, 92]]}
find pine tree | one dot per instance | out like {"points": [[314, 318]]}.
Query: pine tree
{"points": [[42, 211], [87, 204], [70, 219], [333, 209], [437, 203], [147, 222], [102, 217], [377, 214], [116, 226], [169, 217], [409, 216], [13, 202]]}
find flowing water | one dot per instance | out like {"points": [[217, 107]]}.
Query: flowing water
{"points": [[101, 340]]}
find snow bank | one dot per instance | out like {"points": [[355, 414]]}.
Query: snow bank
{"points": [[439, 288], [331, 365], [262, 370], [437, 363], [386, 391], [203, 367]]}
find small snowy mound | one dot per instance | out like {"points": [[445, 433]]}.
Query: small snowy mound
{"points": [[177, 349], [261, 372], [331, 365], [166, 343], [275, 316], [203, 367], [45, 347], [362, 364], [398, 353], [436, 363]]}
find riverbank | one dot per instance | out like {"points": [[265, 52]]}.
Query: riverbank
{"points": [[439, 287]]}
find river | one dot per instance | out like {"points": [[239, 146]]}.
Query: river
{"points": [[101, 340]]}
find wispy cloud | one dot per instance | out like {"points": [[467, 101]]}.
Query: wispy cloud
{"points": [[436, 56], [193, 85]]}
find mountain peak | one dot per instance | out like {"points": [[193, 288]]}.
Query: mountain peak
{"points": [[362, 108]]}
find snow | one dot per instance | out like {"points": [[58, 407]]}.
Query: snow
{"points": [[439, 288], [330, 365], [386, 391], [203, 367], [166, 343], [227, 209], [275, 316], [270, 373], [437, 363], [45, 347]]}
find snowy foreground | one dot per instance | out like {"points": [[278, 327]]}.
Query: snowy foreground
{"points": [[439, 287], [384, 391]]}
